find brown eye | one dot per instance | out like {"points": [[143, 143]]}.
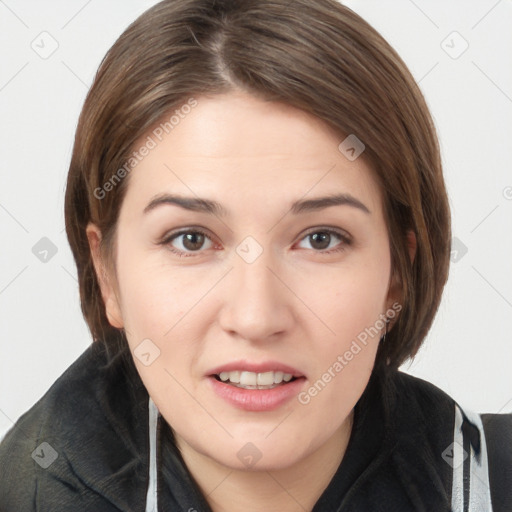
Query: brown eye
{"points": [[193, 241], [320, 240], [186, 242], [326, 241]]}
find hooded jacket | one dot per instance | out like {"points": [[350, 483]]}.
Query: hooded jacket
{"points": [[96, 442]]}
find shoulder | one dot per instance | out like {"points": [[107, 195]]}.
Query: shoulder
{"points": [[431, 404], [498, 437], [421, 391], [418, 405], [48, 413], [436, 436], [498, 429], [66, 446], [419, 419]]}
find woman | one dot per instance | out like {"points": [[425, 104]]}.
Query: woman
{"points": [[257, 211]]}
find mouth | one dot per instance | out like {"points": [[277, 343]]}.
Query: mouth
{"points": [[253, 380], [256, 387]]}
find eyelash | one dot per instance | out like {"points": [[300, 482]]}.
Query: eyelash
{"points": [[346, 240]]}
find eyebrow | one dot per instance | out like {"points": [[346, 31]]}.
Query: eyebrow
{"points": [[211, 207]]}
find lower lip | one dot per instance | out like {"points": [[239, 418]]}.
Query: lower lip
{"points": [[257, 399]]}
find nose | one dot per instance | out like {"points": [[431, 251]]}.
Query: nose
{"points": [[257, 304]]}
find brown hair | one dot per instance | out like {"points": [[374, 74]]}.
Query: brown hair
{"points": [[316, 55]]}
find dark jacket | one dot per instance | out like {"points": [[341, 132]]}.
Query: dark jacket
{"points": [[85, 447]]}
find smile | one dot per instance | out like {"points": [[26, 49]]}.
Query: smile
{"points": [[253, 380]]}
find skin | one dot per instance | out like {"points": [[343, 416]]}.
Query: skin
{"points": [[294, 304]]}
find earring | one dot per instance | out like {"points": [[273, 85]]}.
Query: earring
{"points": [[383, 339]]}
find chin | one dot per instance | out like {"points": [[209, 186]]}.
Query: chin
{"points": [[259, 454]]}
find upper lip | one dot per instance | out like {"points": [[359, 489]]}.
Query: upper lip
{"points": [[248, 366]]}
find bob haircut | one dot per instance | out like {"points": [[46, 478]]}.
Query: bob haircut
{"points": [[318, 56]]}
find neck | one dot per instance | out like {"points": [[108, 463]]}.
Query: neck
{"points": [[294, 488]]}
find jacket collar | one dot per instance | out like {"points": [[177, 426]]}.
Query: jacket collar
{"points": [[110, 412]]}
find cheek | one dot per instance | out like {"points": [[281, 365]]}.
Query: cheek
{"points": [[346, 299], [344, 358], [153, 296], [162, 308], [163, 338], [352, 309]]}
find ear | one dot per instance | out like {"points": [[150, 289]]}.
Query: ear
{"points": [[395, 285], [108, 292]]}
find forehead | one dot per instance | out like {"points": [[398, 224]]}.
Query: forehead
{"points": [[238, 148]]}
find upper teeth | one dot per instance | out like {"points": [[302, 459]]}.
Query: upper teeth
{"points": [[255, 379]]}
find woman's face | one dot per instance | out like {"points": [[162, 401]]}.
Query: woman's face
{"points": [[256, 277]]}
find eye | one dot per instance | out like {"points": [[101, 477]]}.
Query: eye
{"points": [[187, 241], [193, 240], [323, 240]]}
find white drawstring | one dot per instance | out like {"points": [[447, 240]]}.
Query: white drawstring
{"points": [[458, 468], [479, 488], [151, 498]]}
